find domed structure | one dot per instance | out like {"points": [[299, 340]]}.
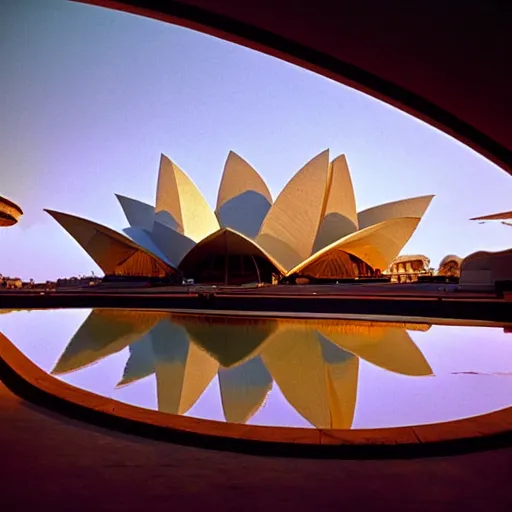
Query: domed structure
{"points": [[312, 229], [10, 213], [449, 266], [407, 268]]}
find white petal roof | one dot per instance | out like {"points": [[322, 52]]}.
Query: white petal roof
{"points": [[413, 207], [340, 215], [377, 245], [108, 248], [180, 198], [138, 214], [239, 177], [291, 225]]}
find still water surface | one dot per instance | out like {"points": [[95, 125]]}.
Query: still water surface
{"points": [[297, 373]]}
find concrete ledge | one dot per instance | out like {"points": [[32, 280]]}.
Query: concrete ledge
{"points": [[29, 382]]}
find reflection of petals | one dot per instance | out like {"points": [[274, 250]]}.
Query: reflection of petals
{"points": [[230, 341], [323, 392], [104, 333], [140, 363], [183, 371], [390, 348], [243, 389]]}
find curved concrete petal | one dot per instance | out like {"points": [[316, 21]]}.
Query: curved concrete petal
{"points": [[173, 244], [413, 207], [244, 213], [291, 225], [340, 215], [377, 245], [138, 214], [180, 198], [240, 177], [243, 389], [144, 239], [111, 250]]}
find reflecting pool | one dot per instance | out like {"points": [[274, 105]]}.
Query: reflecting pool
{"points": [[279, 372]]}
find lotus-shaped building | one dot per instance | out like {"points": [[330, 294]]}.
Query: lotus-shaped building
{"points": [[311, 229]]}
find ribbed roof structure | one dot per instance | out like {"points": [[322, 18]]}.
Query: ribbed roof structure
{"points": [[313, 221]]}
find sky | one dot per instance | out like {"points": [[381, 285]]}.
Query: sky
{"points": [[90, 98]]}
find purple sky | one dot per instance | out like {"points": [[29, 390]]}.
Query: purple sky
{"points": [[91, 97]]}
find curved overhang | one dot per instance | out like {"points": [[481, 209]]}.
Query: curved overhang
{"points": [[109, 249], [478, 118], [376, 245], [412, 207], [10, 212], [223, 240]]}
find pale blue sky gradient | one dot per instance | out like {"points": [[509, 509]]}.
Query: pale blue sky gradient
{"points": [[90, 97]]}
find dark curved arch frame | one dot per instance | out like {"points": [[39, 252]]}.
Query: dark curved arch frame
{"points": [[235, 31]]}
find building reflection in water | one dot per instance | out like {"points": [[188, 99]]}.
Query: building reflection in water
{"points": [[314, 363]]}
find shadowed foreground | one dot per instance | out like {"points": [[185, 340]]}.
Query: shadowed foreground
{"points": [[52, 462]]}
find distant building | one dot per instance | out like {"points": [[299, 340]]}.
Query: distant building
{"points": [[407, 268], [449, 266], [485, 268], [10, 213], [312, 229]]}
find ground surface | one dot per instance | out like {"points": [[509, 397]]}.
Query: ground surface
{"points": [[52, 463]]}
